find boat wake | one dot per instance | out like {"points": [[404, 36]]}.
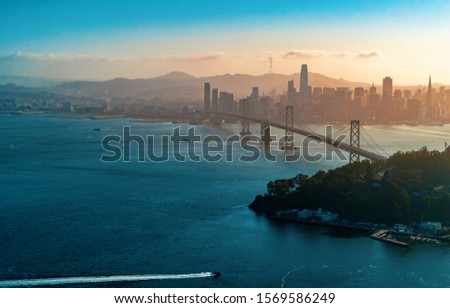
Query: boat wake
{"points": [[97, 279], [283, 279]]}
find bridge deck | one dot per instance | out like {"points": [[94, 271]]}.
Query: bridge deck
{"points": [[312, 135]]}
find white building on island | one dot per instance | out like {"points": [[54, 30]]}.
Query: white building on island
{"points": [[324, 216]]}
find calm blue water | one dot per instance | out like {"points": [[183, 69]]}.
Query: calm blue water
{"points": [[65, 213]]}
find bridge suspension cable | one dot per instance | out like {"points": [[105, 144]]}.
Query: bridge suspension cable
{"points": [[344, 129], [369, 145], [375, 145], [320, 137]]}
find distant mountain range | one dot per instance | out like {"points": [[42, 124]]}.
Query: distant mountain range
{"points": [[176, 86], [184, 87]]}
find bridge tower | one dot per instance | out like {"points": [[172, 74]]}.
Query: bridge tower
{"points": [[354, 141], [245, 122], [289, 134], [265, 132]]}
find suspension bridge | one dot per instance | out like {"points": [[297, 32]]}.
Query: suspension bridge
{"points": [[355, 130]]}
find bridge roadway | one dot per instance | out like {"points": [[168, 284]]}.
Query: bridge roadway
{"points": [[311, 135]]}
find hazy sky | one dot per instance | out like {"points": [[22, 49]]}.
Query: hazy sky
{"points": [[356, 40]]}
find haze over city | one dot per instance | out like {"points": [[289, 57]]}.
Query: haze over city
{"points": [[355, 40]]}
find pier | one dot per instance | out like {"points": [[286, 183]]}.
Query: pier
{"points": [[384, 236]]}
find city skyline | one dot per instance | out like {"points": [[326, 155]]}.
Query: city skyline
{"points": [[340, 104], [353, 40]]}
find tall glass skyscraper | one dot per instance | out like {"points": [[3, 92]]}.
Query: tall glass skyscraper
{"points": [[305, 89], [304, 86]]}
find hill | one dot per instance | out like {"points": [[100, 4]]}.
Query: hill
{"points": [[414, 186], [181, 86], [29, 82]]}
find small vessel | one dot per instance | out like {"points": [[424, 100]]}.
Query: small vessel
{"points": [[97, 129], [215, 274]]}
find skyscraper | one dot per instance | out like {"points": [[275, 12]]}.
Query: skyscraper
{"points": [[305, 90], [255, 94], [429, 93], [359, 97], [304, 86], [374, 104], [207, 96], [226, 101], [291, 92], [373, 90], [215, 99], [387, 87], [386, 113]]}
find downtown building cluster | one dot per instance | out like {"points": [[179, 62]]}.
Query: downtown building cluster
{"points": [[326, 104]]}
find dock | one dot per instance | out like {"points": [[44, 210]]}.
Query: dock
{"points": [[425, 239], [383, 236]]}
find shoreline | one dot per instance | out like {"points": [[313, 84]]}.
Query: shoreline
{"points": [[140, 119], [360, 227]]}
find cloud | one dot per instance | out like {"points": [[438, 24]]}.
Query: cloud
{"points": [[200, 57], [314, 53], [368, 54], [52, 57], [210, 56]]}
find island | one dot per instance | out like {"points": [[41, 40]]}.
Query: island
{"points": [[409, 193]]}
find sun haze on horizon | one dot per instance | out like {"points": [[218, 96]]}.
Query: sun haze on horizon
{"points": [[355, 40]]}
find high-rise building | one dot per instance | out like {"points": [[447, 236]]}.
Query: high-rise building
{"points": [[373, 103], [317, 92], [342, 101], [291, 92], [414, 110], [255, 94], [387, 87], [359, 97], [398, 106], [305, 90], [215, 99], [429, 93], [207, 97], [373, 90], [226, 101], [359, 91], [304, 78], [387, 98]]}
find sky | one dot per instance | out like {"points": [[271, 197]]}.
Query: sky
{"points": [[98, 40]]}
